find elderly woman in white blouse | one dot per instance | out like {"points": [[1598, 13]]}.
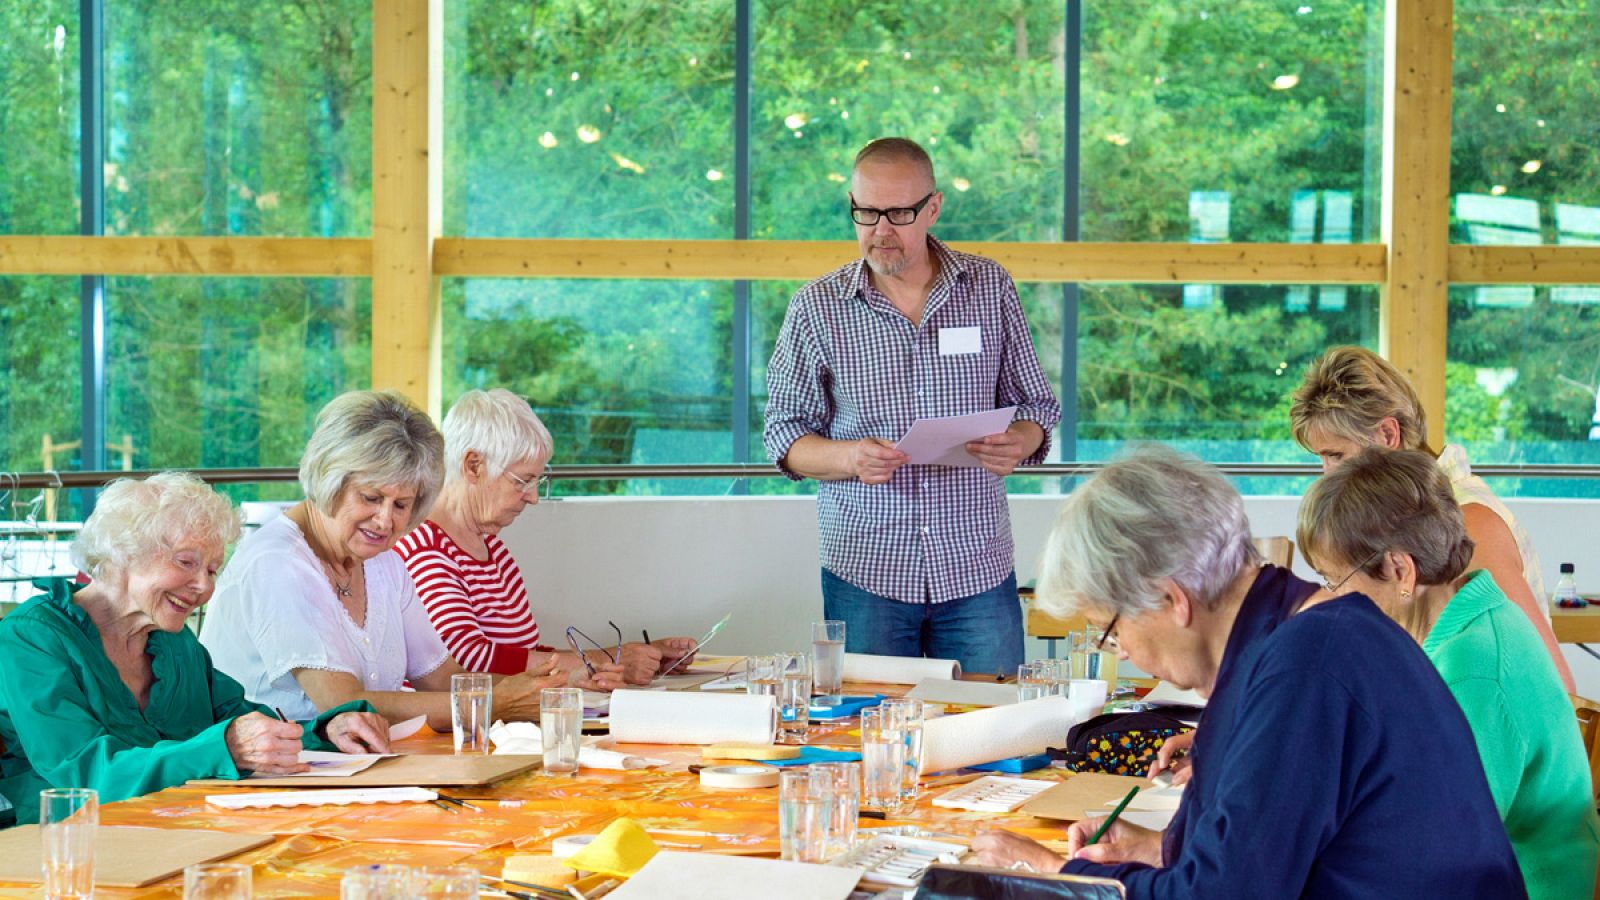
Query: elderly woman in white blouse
{"points": [[313, 612]]}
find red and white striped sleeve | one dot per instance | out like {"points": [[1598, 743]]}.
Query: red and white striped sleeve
{"points": [[442, 586]]}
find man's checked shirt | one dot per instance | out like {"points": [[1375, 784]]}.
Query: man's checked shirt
{"points": [[848, 365]]}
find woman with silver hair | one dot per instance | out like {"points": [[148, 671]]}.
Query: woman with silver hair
{"points": [[104, 687], [495, 453], [1387, 525], [314, 611], [1309, 776]]}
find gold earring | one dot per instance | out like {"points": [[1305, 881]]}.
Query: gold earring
{"points": [[1405, 594]]}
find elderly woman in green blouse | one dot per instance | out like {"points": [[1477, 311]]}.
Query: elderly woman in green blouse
{"points": [[104, 687], [1386, 524]]}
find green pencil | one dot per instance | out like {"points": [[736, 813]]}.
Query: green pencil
{"points": [[1101, 831]]}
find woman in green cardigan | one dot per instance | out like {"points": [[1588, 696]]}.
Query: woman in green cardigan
{"points": [[1386, 524], [103, 686]]}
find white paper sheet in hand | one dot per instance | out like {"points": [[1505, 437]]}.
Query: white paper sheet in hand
{"points": [[325, 764], [399, 731], [941, 441], [1021, 729], [671, 875]]}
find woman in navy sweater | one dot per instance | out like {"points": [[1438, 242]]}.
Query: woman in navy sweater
{"points": [[1333, 763]]}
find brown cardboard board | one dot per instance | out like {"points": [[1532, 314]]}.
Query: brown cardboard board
{"points": [[126, 856], [1084, 791], [417, 770]]}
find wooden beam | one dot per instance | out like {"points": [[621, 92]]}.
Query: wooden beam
{"points": [[1415, 297], [214, 256], [802, 260], [1524, 265], [406, 46]]}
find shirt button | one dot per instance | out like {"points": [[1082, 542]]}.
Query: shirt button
{"points": [[926, 530]]}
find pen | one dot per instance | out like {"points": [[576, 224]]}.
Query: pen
{"points": [[1100, 832], [646, 633], [281, 716], [446, 807], [873, 814]]}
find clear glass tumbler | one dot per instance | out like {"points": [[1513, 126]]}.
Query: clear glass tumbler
{"points": [[907, 715], [471, 702], [804, 814], [453, 883], [827, 651], [794, 697], [69, 820], [883, 759], [761, 675], [217, 881], [561, 728], [842, 783], [1035, 680], [378, 883]]}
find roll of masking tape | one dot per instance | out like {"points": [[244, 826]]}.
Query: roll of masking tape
{"points": [[563, 847], [738, 777]]}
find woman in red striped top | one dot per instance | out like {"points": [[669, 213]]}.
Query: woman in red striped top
{"points": [[495, 454]]}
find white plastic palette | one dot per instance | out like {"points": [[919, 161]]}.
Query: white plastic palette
{"points": [[898, 861], [334, 797], [993, 793]]}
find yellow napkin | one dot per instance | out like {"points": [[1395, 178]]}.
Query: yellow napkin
{"points": [[621, 850]]}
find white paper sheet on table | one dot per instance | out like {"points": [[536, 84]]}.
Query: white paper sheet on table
{"points": [[321, 797], [399, 731], [1165, 692], [671, 875], [526, 738], [325, 764], [690, 717], [1153, 819], [1154, 799], [941, 441], [897, 669], [965, 693]]}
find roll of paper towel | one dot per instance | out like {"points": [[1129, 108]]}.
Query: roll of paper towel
{"points": [[1021, 729], [690, 717], [897, 669]]}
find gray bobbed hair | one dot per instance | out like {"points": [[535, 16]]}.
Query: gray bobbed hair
{"points": [[498, 424], [372, 439], [1152, 515]]}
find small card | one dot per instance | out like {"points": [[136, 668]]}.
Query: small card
{"points": [[960, 341]]}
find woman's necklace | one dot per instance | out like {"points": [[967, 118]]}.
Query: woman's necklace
{"points": [[343, 589]]}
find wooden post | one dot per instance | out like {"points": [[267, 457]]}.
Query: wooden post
{"points": [[126, 449], [47, 459], [407, 63], [1415, 295]]}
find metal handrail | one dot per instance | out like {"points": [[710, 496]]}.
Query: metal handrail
{"points": [[34, 480]]}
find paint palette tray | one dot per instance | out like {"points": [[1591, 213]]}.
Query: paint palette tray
{"points": [[898, 861], [994, 793]]}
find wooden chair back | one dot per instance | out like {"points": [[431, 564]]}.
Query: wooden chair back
{"points": [[1276, 550], [1588, 712]]}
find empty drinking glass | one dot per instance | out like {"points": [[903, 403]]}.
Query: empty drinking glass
{"points": [[454, 883], [471, 698], [68, 821], [217, 881], [378, 883], [803, 815]]}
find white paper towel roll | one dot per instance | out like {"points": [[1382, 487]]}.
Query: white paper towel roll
{"points": [[897, 669], [1021, 729], [688, 717]]}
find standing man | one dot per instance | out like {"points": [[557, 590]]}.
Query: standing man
{"points": [[917, 559]]}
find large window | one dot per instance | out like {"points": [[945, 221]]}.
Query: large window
{"points": [[38, 119], [1524, 360]]}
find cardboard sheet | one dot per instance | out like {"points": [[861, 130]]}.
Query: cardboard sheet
{"points": [[126, 856], [1084, 795], [671, 875], [418, 770]]}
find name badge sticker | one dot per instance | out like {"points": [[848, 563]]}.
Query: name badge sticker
{"points": [[958, 341]]}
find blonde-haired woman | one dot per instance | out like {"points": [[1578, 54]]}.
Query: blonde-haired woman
{"points": [[314, 611], [104, 687], [1386, 524], [1352, 398]]}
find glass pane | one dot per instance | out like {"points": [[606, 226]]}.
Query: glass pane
{"points": [[1525, 167], [251, 118], [620, 371], [1041, 303], [39, 117], [1208, 368], [216, 373], [984, 94], [40, 414], [1252, 120], [582, 119], [1523, 381]]}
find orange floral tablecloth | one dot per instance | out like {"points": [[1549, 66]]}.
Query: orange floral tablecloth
{"points": [[520, 815]]}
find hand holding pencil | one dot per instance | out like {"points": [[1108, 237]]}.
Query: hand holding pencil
{"points": [[1108, 839]]}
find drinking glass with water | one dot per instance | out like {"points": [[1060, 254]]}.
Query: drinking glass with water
{"points": [[841, 783], [471, 699], [69, 819], [1035, 680], [907, 715], [883, 758], [561, 728], [794, 696], [761, 675], [827, 650]]}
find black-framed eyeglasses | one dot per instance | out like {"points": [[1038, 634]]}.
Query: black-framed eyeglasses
{"points": [[1109, 635], [1334, 588], [538, 487], [900, 215], [573, 633]]}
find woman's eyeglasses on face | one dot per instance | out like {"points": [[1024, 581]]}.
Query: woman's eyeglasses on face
{"points": [[1108, 638], [538, 487], [1333, 587]]}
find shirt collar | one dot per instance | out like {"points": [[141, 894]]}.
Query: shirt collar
{"points": [[952, 267], [1453, 460]]}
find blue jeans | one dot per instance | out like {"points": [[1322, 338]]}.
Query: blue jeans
{"points": [[983, 631]]}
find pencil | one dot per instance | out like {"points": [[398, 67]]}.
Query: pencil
{"points": [[457, 802], [1101, 831], [446, 807], [281, 716]]}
